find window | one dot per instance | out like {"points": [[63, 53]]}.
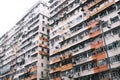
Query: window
{"points": [[99, 50], [104, 75], [42, 35], [115, 58], [116, 31], [42, 28], [118, 5], [105, 24], [41, 73], [102, 62], [112, 59], [91, 53], [92, 64], [42, 42], [43, 22], [111, 9], [85, 67], [116, 73], [77, 69], [42, 56], [43, 17], [102, 14], [113, 45], [42, 49], [33, 73], [42, 64], [114, 19], [95, 77], [47, 31]]}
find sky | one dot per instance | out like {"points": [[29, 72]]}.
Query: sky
{"points": [[11, 11]]}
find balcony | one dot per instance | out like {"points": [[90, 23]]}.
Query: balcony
{"points": [[34, 69], [27, 78], [40, 52], [76, 75], [66, 67], [105, 5], [56, 60], [72, 44], [45, 53], [101, 69], [57, 5], [40, 45], [9, 79], [57, 78], [99, 56], [86, 48], [40, 38], [55, 51], [94, 34], [83, 1], [98, 44], [63, 7], [46, 46], [73, 8], [56, 70], [76, 21], [28, 48], [34, 77], [73, 34], [84, 60], [31, 60], [46, 40], [113, 25], [115, 64], [66, 56], [93, 24], [93, 4], [87, 72], [114, 52], [112, 38]]}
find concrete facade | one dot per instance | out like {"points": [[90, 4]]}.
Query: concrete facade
{"points": [[84, 39], [24, 49]]}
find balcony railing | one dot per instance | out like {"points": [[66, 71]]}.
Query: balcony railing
{"points": [[101, 68], [94, 34], [34, 77], [34, 69], [93, 4], [72, 44], [57, 78], [56, 70], [93, 24], [98, 44], [84, 60], [105, 5], [66, 67], [99, 56], [86, 48]]}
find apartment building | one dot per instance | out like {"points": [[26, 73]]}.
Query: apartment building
{"points": [[24, 49], [84, 39]]}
